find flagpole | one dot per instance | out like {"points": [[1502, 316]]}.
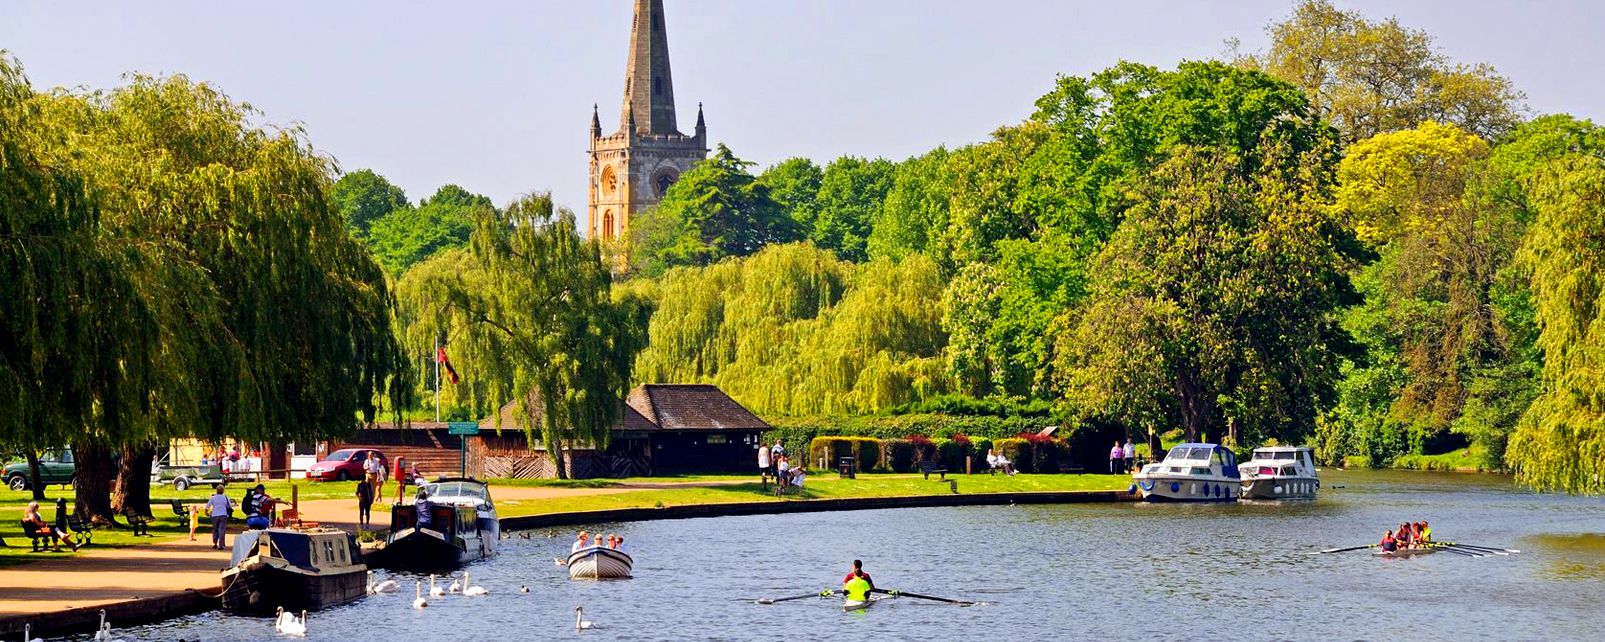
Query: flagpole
{"points": [[437, 377]]}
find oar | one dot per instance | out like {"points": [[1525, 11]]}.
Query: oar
{"points": [[824, 593], [1486, 548], [1339, 550], [1478, 549], [896, 593], [1456, 551]]}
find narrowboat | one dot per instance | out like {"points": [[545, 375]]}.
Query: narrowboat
{"points": [[297, 569], [460, 526], [1279, 472], [1190, 473]]}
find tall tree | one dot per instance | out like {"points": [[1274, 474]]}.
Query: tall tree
{"points": [[363, 197], [531, 315], [915, 211], [1215, 302], [1370, 77], [408, 235]]}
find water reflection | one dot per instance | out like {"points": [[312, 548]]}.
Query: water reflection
{"points": [[1042, 572]]}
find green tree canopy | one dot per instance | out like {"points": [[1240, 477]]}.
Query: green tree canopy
{"points": [[794, 184], [716, 210], [1370, 77], [850, 195], [363, 197], [408, 235]]}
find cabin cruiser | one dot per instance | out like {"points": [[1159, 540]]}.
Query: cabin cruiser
{"points": [[461, 526], [1190, 473], [298, 569], [1279, 472]]}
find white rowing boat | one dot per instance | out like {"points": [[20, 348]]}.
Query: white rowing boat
{"points": [[1405, 552], [599, 562], [859, 605]]}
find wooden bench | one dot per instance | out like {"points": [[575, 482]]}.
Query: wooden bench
{"points": [[43, 538], [928, 468]]}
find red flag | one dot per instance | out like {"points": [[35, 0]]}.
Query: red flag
{"points": [[451, 373]]}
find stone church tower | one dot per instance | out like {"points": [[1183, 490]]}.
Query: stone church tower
{"points": [[631, 168]]}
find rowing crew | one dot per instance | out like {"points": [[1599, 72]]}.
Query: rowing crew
{"points": [[857, 585], [1409, 535]]}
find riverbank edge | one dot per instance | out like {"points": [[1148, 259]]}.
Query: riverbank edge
{"points": [[203, 599]]}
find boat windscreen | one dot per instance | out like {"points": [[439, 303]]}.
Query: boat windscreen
{"points": [[444, 490]]}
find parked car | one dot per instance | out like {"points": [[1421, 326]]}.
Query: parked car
{"points": [[55, 467], [183, 477], [344, 464]]}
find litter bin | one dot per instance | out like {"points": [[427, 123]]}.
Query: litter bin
{"points": [[846, 469]]}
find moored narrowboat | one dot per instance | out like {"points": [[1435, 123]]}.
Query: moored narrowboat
{"points": [[460, 525], [298, 569]]}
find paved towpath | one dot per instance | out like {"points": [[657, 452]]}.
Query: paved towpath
{"points": [[97, 576]]}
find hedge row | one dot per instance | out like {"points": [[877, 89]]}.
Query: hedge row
{"points": [[1083, 445], [905, 455]]}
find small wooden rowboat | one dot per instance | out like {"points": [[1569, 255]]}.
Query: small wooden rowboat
{"points": [[599, 562], [1405, 552]]}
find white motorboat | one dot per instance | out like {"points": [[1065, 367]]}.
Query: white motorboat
{"points": [[599, 563], [1279, 472], [462, 526], [1190, 473]]}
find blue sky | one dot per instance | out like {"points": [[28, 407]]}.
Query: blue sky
{"points": [[496, 96]]}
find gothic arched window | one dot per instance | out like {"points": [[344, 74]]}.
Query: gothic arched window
{"points": [[607, 225], [663, 181]]}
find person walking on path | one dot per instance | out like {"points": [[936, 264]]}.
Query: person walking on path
{"points": [[1131, 454], [365, 501], [218, 509], [1117, 456]]}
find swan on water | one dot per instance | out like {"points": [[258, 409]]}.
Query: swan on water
{"points": [[27, 633], [470, 590], [103, 634], [387, 586], [455, 587], [289, 624], [435, 591], [580, 623], [523, 589], [418, 601]]}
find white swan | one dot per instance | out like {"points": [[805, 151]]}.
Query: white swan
{"points": [[418, 601], [523, 589], [580, 623], [104, 633], [27, 633], [387, 586], [289, 624], [435, 591], [455, 587], [470, 590]]}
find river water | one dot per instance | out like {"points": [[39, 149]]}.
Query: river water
{"points": [[1076, 572]]}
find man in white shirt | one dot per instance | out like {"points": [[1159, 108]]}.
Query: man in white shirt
{"points": [[763, 462], [1131, 454], [218, 508]]}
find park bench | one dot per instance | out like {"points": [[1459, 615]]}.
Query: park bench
{"points": [[43, 538], [929, 468], [140, 523], [82, 528]]}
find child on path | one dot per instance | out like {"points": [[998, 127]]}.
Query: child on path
{"points": [[194, 519]]}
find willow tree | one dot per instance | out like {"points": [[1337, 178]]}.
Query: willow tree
{"points": [[243, 310], [1560, 442], [529, 314]]}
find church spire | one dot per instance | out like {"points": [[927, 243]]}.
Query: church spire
{"points": [[596, 123], [648, 86]]}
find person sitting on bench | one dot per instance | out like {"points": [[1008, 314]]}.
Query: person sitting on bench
{"points": [[32, 522]]}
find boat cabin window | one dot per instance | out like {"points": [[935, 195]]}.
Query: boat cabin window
{"points": [[1200, 471], [1287, 470], [1267, 471], [456, 489]]}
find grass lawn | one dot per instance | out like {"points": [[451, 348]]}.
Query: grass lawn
{"points": [[818, 487]]}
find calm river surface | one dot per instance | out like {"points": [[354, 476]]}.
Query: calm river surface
{"points": [[1148, 572]]}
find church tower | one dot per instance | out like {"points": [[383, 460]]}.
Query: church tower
{"points": [[633, 167]]}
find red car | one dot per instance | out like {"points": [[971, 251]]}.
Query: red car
{"points": [[345, 464]]}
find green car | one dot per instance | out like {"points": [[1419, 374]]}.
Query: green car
{"points": [[55, 467]]}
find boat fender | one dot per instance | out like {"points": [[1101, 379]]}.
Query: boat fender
{"points": [[1175, 487], [253, 598], [1131, 490]]}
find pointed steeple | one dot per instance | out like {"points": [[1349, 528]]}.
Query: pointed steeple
{"points": [[648, 86], [596, 123], [702, 128]]}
